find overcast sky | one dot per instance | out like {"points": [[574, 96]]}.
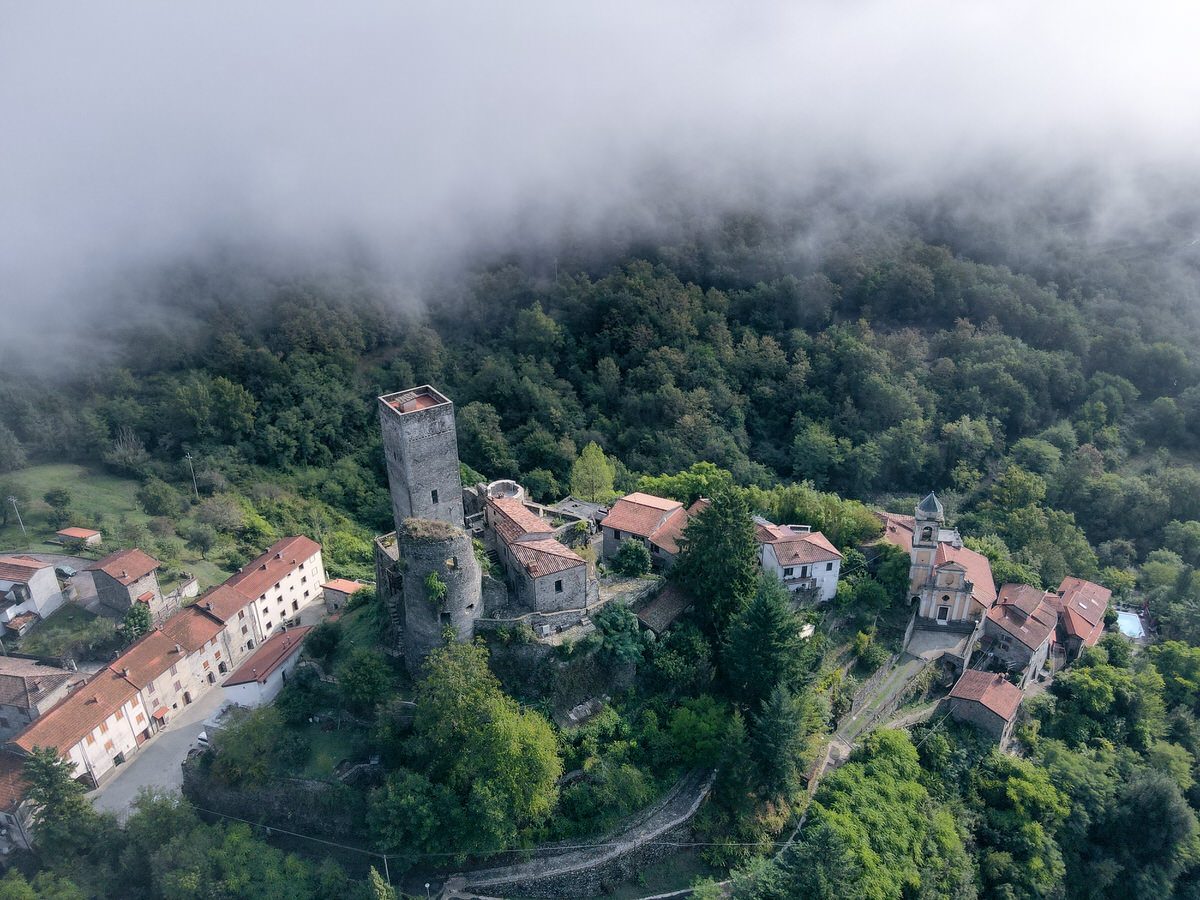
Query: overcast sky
{"points": [[137, 132]]}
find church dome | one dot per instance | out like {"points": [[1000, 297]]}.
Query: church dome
{"points": [[930, 508]]}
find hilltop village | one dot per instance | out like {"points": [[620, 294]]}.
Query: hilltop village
{"points": [[484, 560]]}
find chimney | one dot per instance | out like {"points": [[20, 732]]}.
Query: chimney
{"points": [[279, 555], [178, 649], [125, 672], [124, 573], [208, 605]]}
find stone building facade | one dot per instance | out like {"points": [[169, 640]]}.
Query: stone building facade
{"points": [[128, 577], [987, 701], [420, 445]]}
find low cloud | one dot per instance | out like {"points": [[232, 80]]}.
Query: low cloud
{"points": [[137, 134]]}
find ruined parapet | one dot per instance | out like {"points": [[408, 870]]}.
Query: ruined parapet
{"points": [[441, 587]]}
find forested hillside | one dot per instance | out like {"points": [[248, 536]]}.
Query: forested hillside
{"points": [[1058, 420]]}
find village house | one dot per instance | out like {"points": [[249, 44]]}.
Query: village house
{"points": [[803, 559], [205, 641], [29, 590], [263, 675], [159, 668], [338, 593], [1019, 629], [986, 700], [281, 585], [546, 575], [1081, 606], [97, 727], [74, 538], [16, 811], [655, 521], [128, 577], [29, 688]]}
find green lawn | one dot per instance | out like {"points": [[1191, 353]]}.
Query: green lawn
{"points": [[96, 499], [69, 631], [328, 748], [99, 500]]}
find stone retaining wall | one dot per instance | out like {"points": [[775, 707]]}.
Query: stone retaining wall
{"points": [[562, 872]]}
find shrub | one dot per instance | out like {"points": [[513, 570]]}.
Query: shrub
{"points": [[324, 640], [632, 559]]}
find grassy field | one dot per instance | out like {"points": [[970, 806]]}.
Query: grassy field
{"points": [[328, 748], [98, 499]]}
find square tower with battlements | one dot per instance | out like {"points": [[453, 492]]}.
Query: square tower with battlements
{"points": [[420, 444]]}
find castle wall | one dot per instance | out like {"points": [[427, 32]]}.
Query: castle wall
{"points": [[426, 547]]}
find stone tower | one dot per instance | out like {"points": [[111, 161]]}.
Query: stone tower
{"points": [[927, 526], [421, 447], [442, 588]]}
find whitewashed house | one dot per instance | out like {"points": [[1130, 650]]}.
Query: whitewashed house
{"points": [[29, 589], [803, 559], [263, 675]]}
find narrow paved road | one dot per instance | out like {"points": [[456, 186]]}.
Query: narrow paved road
{"points": [[157, 764]]}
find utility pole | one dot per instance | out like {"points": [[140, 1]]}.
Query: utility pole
{"points": [[20, 521], [195, 487]]}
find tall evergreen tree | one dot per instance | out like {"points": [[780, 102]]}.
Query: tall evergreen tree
{"points": [[763, 648], [718, 559], [777, 743], [592, 475]]}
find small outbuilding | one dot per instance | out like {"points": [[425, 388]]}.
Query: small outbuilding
{"points": [[986, 700], [338, 592], [79, 537], [264, 674]]}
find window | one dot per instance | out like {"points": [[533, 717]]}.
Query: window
{"points": [[277, 585], [295, 604], [558, 586], [242, 614], [269, 626], [926, 533], [4, 721], [108, 745], [804, 571], [433, 495], [444, 620], [304, 580], [306, 593], [828, 567], [206, 664], [616, 535], [789, 572], [245, 629], [120, 714], [140, 718], [104, 728], [91, 740], [178, 686], [175, 669], [217, 655], [943, 613]]}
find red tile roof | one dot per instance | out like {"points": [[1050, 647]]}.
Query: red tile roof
{"points": [[20, 568], [795, 547], [79, 533], [127, 566], [898, 530], [343, 586], [979, 570], [699, 506], [153, 654], [16, 623], [641, 514], [256, 578], [545, 557], [660, 521], [513, 520], [993, 691], [13, 785], [79, 713], [223, 602], [1082, 604], [1026, 613], [25, 682], [269, 657], [192, 627]]}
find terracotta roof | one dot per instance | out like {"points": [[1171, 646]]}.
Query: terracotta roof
{"points": [[545, 557], [25, 682], [993, 691], [699, 506], [513, 520], [414, 399], [153, 654], [81, 533], [269, 657], [16, 623], [668, 534], [1082, 604], [127, 566], [1026, 613], [79, 713], [343, 585], [20, 568], [898, 530], [794, 547], [192, 627], [979, 570], [12, 781], [641, 514], [659, 612], [223, 602], [257, 577]]}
